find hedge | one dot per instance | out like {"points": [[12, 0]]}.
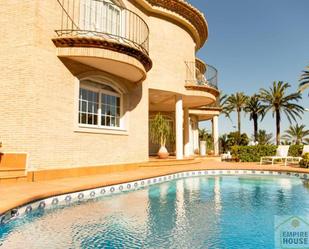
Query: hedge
{"points": [[304, 163], [254, 153], [296, 150]]}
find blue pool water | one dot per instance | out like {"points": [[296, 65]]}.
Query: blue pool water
{"points": [[202, 212]]}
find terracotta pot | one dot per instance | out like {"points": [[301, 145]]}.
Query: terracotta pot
{"points": [[163, 153], [211, 153]]}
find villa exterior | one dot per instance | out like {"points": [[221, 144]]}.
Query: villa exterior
{"points": [[82, 79]]}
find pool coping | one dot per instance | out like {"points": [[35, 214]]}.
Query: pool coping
{"points": [[45, 197]]}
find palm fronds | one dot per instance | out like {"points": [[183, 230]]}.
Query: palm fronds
{"points": [[279, 102]]}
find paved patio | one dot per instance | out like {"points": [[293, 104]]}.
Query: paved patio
{"points": [[17, 194]]}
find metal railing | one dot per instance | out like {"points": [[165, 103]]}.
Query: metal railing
{"points": [[194, 76], [103, 20]]}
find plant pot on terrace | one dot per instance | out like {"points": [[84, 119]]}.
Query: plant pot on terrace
{"points": [[161, 133]]}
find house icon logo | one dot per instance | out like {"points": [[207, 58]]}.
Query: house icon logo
{"points": [[291, 232]]}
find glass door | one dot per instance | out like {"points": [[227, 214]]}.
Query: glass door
{"points": [[98, 16]]}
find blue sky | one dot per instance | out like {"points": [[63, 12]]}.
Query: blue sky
{"points": [[252, 43]]}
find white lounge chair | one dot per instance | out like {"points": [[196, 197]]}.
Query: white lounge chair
{"points": [[226, 156], [281, 154], [297, 159]]}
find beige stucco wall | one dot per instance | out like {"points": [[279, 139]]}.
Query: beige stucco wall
{"points": [[38, 91], [170, 47], [37, 98]]}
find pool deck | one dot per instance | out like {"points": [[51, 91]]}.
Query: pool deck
{"points": [[18, 194]]}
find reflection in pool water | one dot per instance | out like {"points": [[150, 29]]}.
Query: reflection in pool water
{"points": [[201, 212]]}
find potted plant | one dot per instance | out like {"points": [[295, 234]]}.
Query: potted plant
{"points": [[161, 133]]}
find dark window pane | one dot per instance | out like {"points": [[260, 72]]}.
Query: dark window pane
{"points": [[95, 119], [108, 110], [89, 95], [118, 111], [113, 100], [90, 106], [103, 99], [83, 94], [113, 111], [118, 122], [96, 97], [118, 102], [90, 119], [103, 109], [84, 106], [84, 118], [108, 121], [103, 121]]}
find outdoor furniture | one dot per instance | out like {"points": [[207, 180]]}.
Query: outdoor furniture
{"points": [[226, 156], [297, 159], [281, 154]]}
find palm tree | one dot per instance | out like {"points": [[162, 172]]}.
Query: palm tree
{"points": [[223, 143], [304, 79], [222, 103], [256, 109], [278, 101], [236, 102], [263, 137], [296, 134]]}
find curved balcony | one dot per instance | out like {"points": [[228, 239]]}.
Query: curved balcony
{"points": [[97, 26], [196, 80]]}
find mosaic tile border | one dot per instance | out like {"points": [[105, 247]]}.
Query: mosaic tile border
{"points": [[85, 195]]}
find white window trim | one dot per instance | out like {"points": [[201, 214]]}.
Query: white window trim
{"points": [[99, 129]]}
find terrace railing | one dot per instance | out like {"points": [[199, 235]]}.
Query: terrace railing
{"points": [[194, 76], [100, 19]]}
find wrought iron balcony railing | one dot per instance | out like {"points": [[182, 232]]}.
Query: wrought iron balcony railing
{"points": [[195, 77], [99, 19]]}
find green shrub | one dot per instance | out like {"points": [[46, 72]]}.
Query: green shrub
{"points": [[252, 153], [304, 163], [235, 138], [296, 150]]}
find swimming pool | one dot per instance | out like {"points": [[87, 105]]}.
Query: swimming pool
{"points": [[194, 212]]}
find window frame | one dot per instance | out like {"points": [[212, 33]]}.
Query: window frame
{"points": [[82, 85], [93, 25]]}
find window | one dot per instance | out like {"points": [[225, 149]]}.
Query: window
{"points": [[100, 16], [99, 105]]}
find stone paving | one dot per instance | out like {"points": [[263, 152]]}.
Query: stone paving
{"points": [[14, 195]]}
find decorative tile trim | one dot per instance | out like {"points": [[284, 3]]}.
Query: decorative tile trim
{"points": [[82, 196]]}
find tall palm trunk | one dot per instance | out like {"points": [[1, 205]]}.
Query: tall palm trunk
{"points": [[239, 125], [255, 127], [278, 127]]}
